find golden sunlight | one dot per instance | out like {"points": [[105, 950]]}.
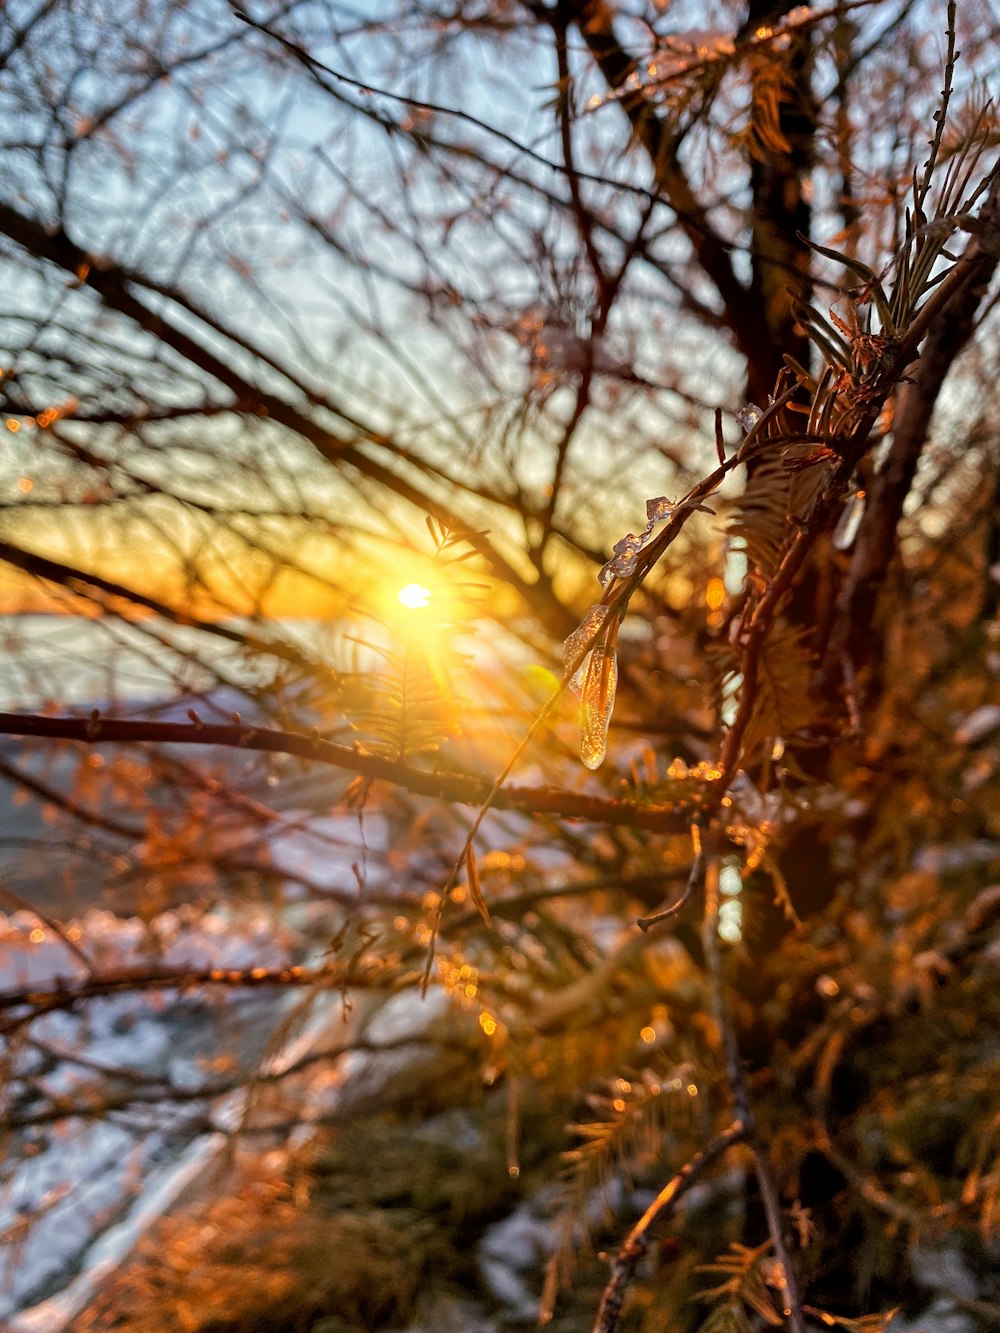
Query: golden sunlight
{"points": [[414, 596]]}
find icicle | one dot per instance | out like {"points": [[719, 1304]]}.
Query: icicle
{"points": [[747, 417], [594, 681], [582, 637], [598, 704]]}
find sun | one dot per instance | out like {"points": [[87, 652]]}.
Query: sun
{"points": [[414, 596]]}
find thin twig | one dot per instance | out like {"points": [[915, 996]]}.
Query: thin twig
{"points": [[636, 1243], [50, 923], [665, 913], [317, 68], [787, 1282]]}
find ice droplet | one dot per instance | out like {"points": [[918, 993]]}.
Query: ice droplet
{"points": [[625, 552], [598, 704], [629, 547], [658, 510], [747, 417], [581, 638], [622, 562]]}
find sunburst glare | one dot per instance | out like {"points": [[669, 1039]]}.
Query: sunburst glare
{"points": [[414, 596]]}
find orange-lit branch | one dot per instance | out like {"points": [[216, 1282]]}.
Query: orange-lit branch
{"points": [[461, 788], [636, 1243], [58, 994]]}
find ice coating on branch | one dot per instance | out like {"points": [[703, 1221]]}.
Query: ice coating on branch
{"points": [[599, 688], [625, 553], [747, 417], [629, 546], [581, 638]]}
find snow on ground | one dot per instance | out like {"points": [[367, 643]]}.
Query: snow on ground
{"points": [[67, 1180], [75, 1194], [102, 1250]]}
